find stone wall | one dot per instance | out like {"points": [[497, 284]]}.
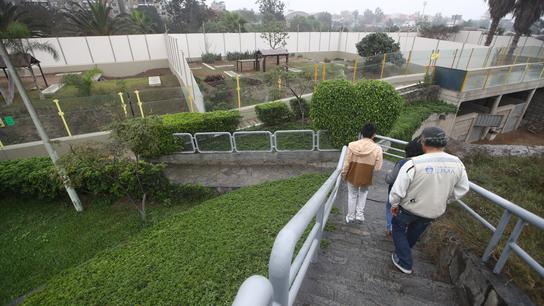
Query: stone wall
{"points": [[534, 116]]}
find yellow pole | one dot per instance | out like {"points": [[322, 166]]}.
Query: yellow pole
{"points": [[454, 57], [464, 82], [486, 78], [525, 72], [61, 114], [324, 72], [408, 62], [541, 73], [123, 105], [429, 64], [2, 123], [190, 102], [238, 89], [469, 58], [316, 67], [140, 104], [354, 71], [1, 145], [383, 65]]}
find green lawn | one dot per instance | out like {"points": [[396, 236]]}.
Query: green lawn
{"points": [[42, 238], [520, 180], [197, 257]]}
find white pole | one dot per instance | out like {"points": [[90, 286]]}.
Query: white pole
{"points": [[43, 135]]}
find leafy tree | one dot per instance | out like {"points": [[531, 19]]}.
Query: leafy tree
{"points": [[271, 10], [228, 22], [325, 21], [526, 13], [275, 34], [96, 20], [436, 31], [248, 15], [142, 23], [497, 10], [378, 15], [304, 24], [368, 17], [376, 44], [154, 18], [187, 15]]}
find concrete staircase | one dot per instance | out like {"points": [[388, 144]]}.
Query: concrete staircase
{"points": [[356, 268]]}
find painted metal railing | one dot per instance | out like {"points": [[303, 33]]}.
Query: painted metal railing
{"points": [[482, 78], [286, 275], [510, 209], [225, 142]]}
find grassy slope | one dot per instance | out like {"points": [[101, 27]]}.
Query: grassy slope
{"points": [[199, 257], [520, 180], [39, 239]]}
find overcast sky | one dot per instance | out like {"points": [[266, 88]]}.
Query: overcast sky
{"points": [[470, 9]]}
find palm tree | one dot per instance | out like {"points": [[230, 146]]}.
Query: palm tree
{"points": [[142, 23], [96, 20], [12, 31], [526, 13], [497, 10]]}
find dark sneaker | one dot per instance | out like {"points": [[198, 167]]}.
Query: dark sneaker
{"points": [[395, 260]]}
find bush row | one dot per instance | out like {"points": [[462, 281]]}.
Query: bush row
{"points": [[152, 136], [210, 58], [278, 112], [89, 172], [232, 56]]}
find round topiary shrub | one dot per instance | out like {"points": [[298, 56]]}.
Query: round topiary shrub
{"points": [[343, 108]]}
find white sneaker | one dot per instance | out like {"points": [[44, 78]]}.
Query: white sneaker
{"points": [[360, 219], [395, 260], [348, 220]]}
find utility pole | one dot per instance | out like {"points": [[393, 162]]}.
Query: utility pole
{"points": [[43, 135]]}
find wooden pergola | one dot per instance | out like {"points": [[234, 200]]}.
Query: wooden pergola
{"points": [[271, 52], [23, 60]]}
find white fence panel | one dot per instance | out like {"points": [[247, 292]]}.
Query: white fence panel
{"points": [[100, 49], [214, 42], [75, 50], [121, 48], [47, 59], [334, 41], [248, 41], [139, 47], [156, 46], [352, 39]]}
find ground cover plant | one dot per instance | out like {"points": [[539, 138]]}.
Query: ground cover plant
{"points": [[42, 238], [197, 257], [519, 180]]}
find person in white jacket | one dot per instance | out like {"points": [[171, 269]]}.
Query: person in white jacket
{"points": [[421, 192]]}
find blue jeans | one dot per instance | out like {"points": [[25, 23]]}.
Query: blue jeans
{"points": [[388, 216], [406, 231]]}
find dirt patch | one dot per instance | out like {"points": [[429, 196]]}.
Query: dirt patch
{"points": [[518, 137]]}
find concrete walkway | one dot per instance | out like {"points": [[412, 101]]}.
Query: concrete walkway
{"points": [[356, 268]]}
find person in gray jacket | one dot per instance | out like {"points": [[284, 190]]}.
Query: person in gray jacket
{"points": [[423, 188]]}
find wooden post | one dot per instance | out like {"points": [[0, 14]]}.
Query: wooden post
{"points": [[383, 65], [238, 90], [408, 62], [324, 72], [354, 71]]}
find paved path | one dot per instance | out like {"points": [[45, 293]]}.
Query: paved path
{"points": [[356, 268]]}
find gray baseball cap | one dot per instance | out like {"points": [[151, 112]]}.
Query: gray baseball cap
{"points": [[434, 137]]}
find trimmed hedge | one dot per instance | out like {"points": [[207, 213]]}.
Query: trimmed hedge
{"points": [[413, 114], [32, 177], [343, 108], [218, 121], [300, 107], [273, 113], [89, 172], [210, 58]]}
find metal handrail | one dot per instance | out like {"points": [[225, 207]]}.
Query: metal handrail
{"points": [[286, 276], [196, 144], [502, 66], [524, 217]]}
